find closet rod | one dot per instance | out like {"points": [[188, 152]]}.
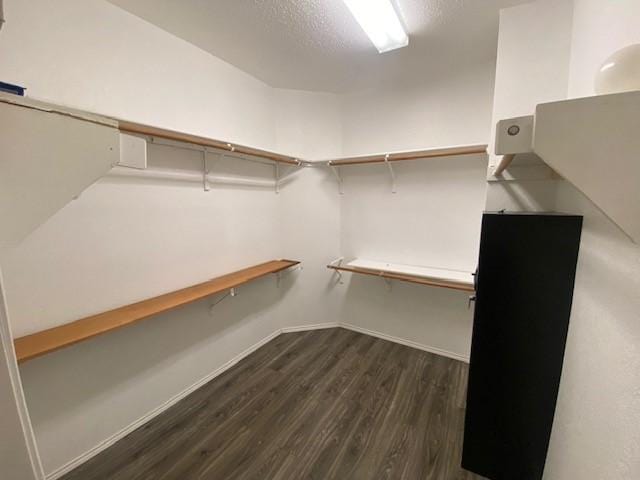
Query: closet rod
{"points": [[196, 148], [504, 163], [412, 155], [140, 129], [193, 177]]}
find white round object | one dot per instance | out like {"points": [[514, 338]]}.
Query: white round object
{"points": [[620, 72]]}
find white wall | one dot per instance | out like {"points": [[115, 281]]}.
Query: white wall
{"points": [[310, 124], [599, 29], [450, 107], [596, 432], [94, 56]]}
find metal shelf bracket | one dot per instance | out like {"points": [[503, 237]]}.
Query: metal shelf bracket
{"points": [[391, 173], [336, 263], [231, 293], [282, 274], [336, 173], [205, 171]]}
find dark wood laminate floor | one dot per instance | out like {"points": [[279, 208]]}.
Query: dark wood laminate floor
{"points": [[326, 404]]}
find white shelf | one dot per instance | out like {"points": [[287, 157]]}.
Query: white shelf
{"points": [[414, 270], [437, 277]]}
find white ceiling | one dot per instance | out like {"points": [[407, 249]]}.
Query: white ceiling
{"points": [[317, 44]]}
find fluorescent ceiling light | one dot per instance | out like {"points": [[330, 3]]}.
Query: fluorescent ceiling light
{"points": [[380, 22]]}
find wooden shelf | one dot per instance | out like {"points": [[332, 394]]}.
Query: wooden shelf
{"points": [[141, 129], [135, 128], [41, 343], [435, 277], [147, 130], [413, 155]]}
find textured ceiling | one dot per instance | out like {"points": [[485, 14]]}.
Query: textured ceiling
{"points": [[317, 44]]}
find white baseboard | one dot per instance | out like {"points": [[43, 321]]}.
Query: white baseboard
{"points": [[305, 328], [408, 343], [157, 411], [75, 463]]}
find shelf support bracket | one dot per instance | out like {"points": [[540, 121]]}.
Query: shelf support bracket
{"points": [[504, 164], [336, 263], [388, 282], [205, 170], [336, 173], [280, 275], [233, 292], [277, 177], [391, 173]]}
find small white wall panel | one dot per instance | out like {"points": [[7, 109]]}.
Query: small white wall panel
{"points": [[514, 135], [594, 143], [48, 158], [133, 151]]}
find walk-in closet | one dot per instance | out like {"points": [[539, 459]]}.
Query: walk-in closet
{"points": [[343, 239]]}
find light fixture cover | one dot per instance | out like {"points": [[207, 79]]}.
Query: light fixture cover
{"points": [[380, 22], [620, 72]]}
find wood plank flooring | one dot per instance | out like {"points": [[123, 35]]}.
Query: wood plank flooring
{"points": [[325, 404]]}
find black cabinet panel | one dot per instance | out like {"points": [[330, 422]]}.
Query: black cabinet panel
{"points": [[525, 283]]}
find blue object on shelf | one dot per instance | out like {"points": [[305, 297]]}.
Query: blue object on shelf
{"points": [[15, 89]]}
